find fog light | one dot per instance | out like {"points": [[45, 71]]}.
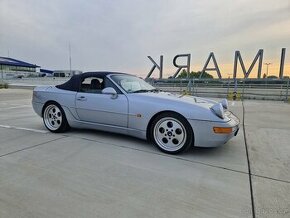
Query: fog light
{"points": [[223, 130]]}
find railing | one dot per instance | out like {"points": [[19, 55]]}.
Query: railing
{"points": [[261, 89]]}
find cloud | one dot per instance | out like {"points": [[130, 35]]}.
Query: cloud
{"points": [[119, 34]]}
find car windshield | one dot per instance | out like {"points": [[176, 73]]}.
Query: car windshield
{"points": [[132, 84]]}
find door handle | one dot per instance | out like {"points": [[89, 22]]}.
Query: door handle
{"points": [[82, 98]]}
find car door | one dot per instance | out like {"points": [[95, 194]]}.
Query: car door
{"points": [[93, 106]]}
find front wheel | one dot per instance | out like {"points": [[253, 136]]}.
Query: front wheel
{"points": [[171, 133], [54, 118]]}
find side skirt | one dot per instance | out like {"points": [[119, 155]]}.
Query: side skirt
{"points": [[108, 128]]}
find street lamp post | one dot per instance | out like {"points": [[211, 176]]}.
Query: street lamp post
{"points": [[267, 64], [228, 89]]}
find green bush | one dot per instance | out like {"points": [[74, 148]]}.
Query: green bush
{"points": [[3, 85]]}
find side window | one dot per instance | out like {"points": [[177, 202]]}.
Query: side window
{"points": [[108, 83], [92, 85]]}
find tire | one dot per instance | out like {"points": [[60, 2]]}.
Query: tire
{"points": [[171, 133], [54, 118]]}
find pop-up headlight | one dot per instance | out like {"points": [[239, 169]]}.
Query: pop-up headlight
{"points": [[218, 110], [225, 103]]}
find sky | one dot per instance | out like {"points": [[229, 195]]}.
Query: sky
{"points": [[118, 35]]}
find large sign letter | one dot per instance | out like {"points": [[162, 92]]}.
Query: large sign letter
{"points": [[179, 67], [281, 72], [238, 57], [159, 67], [216, 67]]}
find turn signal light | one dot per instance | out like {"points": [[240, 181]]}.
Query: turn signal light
{"points": [[223, 130]]}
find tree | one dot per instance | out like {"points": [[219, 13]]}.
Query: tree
{"points": [[192, 74], [272, 77]]}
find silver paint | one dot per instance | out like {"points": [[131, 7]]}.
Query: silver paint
{"points": [[101, 112]]}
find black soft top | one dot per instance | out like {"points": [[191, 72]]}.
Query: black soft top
{"points": [[73, 84]]}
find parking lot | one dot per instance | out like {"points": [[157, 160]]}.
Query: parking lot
{"points": [[85, 173]]}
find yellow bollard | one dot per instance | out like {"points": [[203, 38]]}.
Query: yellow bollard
{"points": [[235, 96]]}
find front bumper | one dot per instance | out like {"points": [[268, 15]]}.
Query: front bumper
{"points": [[204, 135]]}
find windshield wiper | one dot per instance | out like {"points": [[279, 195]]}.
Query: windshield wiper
{"points": [[140, 91], [154, 90], [144, 90]]}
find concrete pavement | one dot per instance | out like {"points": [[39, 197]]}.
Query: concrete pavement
{"points": [[85, 173], [267, 126]]}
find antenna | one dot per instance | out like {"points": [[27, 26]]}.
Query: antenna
{"points": [[69, 59]]}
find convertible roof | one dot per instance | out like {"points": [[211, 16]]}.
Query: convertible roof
{"points": [[73, 83], [97, 73]]}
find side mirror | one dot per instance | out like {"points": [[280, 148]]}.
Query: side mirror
{"points": [[110, 91]]}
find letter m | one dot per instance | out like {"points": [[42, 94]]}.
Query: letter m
{"points": [[238, 57]]}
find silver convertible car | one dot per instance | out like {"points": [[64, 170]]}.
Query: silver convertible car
{"points": [[122, 103]]}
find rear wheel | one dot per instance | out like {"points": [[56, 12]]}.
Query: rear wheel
{"points": [[54, 118], [171, 133]]}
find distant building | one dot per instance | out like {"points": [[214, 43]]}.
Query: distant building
{"points": [[45, 72], [65, 73], [12, 68]]}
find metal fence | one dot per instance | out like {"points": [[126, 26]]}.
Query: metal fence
{"points": [[260, 89]]}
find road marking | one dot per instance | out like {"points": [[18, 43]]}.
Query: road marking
{"points": [[23, 128], [15, 107]]}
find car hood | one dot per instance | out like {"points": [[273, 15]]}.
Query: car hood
{"points": [[183, 104], [201, 102]]}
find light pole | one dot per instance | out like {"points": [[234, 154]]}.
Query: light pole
{"points": [[69, 59], [228, 89], [2, 76], [267, 64]]}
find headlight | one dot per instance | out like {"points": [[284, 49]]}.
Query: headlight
{"points": [[225, 103], [218, 110]]}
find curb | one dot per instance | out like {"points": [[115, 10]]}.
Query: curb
{"points": [[21, 86]]}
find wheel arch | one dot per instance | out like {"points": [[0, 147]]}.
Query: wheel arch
{"points": [[161, 112], [64, 125]]}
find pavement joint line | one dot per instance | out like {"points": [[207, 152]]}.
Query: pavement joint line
{"points": [[165, 155], [267, 127], [179, 158], [30, 147], [23, 128], [248, 161], [270, 178]]}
